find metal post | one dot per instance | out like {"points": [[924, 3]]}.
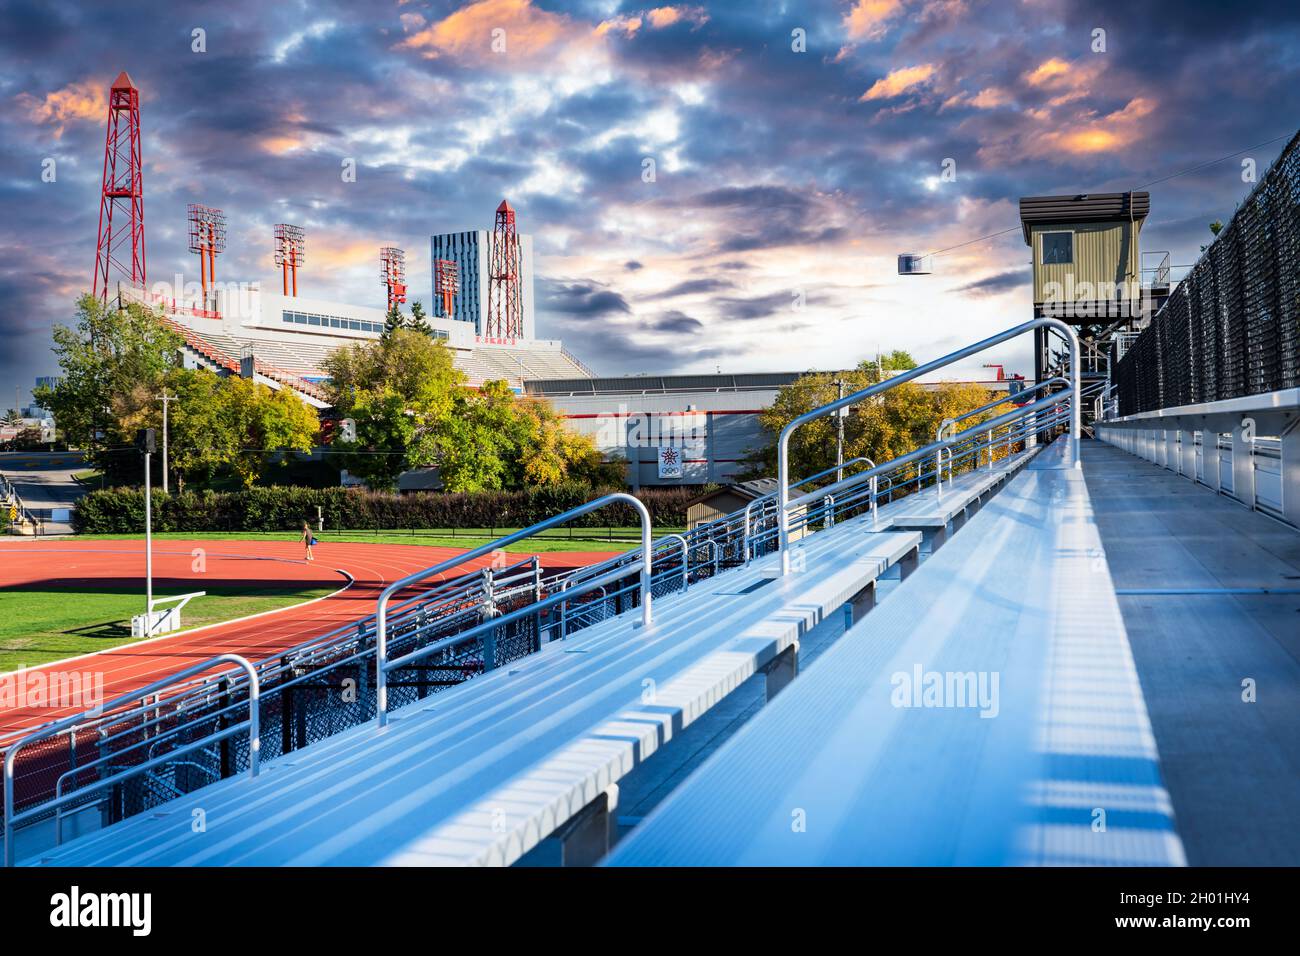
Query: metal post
{"points": [[148, 546], [839, 431]]}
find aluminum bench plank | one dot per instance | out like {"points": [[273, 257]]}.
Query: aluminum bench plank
{"points": [[844, 769], [362, 796]]}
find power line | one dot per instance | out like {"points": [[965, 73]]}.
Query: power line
{"points": [[1154, 182]]}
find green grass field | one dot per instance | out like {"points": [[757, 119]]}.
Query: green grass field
{"points": [[40, 626], [557, 539]]}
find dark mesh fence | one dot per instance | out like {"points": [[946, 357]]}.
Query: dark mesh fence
{"points": [[1232, 327]]}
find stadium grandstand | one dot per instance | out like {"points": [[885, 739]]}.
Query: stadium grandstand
{"points": [[283, 341]]}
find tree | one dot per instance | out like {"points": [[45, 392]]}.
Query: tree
{"points": [[263, 421], [895, 361], [419, 322], [881, 428], [12, 419], [109, 359], [394, 320], [412, 409], [400, 391]]}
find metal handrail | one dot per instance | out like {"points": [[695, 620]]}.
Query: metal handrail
{"points": [[926, 450], [765, 499], [66, 723], [783, 441], [686, 552], [1031, 423], [943, 425], [381, 607]]}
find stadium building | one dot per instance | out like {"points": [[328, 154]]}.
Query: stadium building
{"points": [[283, 341], [679, 429]]}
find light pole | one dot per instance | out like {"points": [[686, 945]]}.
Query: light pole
{"points": [[839, 431], [166, 400]]}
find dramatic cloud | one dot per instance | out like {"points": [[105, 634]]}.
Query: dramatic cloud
{"points": [[996, 284], [702, 191]]}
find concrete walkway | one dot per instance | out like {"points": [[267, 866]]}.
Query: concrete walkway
{"points": [[1232, 767]]}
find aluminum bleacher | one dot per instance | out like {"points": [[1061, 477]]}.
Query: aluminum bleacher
{"points": [[484, 771], [988, 714]]}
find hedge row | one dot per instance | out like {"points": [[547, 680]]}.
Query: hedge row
{"points": [[121, 510]]}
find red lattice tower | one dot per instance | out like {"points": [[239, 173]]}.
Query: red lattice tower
{"points": [[121, 204], [290, 253], [446, 283], [207, 238], [505, 317], [392, 273]]}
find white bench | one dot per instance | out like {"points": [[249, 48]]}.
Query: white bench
{"points": [[846, 769], [484, 771]]}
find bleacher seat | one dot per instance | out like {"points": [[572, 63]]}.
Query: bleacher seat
{"points": [[856, 764], [485, 770]]}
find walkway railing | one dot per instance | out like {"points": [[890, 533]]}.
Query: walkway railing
{"points": [[12, 818], [383, 665], [783, 441]]}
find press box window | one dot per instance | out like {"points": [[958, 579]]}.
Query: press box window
{"points": [[1058, 248]]}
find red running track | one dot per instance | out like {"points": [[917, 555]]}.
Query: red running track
{"points": [[91, 564]]}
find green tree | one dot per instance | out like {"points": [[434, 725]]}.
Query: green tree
{"points": [[895, 361], [400, 391], [497, 439], [110, 360], [419, 321], [394, 320], [263, 421]]}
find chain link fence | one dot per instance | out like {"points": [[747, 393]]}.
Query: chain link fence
{"points": [[1232, 326]]}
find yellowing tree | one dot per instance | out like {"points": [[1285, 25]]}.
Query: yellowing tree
{"points": [[881, 428]]}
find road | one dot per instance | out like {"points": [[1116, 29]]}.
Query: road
{"points": [[44, 482]]}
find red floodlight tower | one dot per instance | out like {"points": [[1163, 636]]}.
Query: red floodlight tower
{"points": [[122, 196], [446, 283], [392, 272], [290, 252], [505, 318], [207, 238]]}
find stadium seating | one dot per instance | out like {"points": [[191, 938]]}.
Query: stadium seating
{"points": [[484, 771], [855, 765]]}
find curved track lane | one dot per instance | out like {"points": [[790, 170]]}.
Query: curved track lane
{"points": [[360, 571]]}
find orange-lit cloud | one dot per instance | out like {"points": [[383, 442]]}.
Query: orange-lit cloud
{"points": [[469, 31], [1114, 130], [85, 101], [661, 17], [1049, 73], [990, 98], [1050, 135], [899, 81], [868, 19]]}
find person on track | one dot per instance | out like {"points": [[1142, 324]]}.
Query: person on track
{"points": [[307, 540]]}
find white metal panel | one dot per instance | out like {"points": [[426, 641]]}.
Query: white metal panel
{"points": [[1224, 445], [1268, 475]]}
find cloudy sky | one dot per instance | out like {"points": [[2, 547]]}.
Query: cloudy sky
{"points": [[796, 148]]}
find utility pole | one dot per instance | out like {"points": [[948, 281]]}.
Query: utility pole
{"points": [[166, 400], [839, 384]]}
